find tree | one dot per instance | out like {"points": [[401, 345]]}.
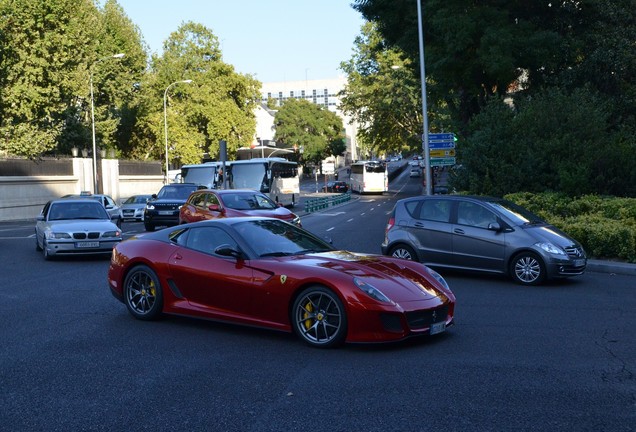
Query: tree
{"points": [[318, 130], [47, 54], [217, 105], [384, 96], [43, 55], [473, 50], [513, 70]]}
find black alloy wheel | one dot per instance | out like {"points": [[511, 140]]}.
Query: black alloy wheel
{"points": [[319, 317], [142, 293]]}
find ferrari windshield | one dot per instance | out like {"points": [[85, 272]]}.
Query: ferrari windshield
{"points": [[277, 238]]}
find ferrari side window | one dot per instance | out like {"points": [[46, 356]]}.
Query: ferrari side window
{"points": [[208, 239]]}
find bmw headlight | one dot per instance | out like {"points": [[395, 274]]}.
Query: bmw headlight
{"points": [[550, 248], [111, 234], [58, 235], [371, 291]]}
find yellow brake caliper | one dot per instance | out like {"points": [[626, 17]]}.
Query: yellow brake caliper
{"points": [[308, 308]]}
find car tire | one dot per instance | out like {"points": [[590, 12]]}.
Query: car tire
{"points": [[142, 293], [403, 252], [149, 227], [527, 268], [37, 244], [319, 317], [45, 251]]}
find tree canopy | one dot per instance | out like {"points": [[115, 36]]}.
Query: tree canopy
{"points": [[316, 129], [540, 93], [50, 53]]}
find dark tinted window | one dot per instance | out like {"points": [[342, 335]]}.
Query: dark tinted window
{"points": [[207, 239], [197, 200], [435, 210], [517, 214], [473, 214], [176, 192], [278, 238]]}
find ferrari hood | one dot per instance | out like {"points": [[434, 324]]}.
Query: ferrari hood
{"points": [[397, 280]]}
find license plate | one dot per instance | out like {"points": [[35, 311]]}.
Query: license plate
{"points": [[87, 244], [438, 327], [579, 262], [166, 213]]}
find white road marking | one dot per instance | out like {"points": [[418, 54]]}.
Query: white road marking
{"points": [[330, 229]]}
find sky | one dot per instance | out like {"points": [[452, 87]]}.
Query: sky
{"points": [[274, 40]]}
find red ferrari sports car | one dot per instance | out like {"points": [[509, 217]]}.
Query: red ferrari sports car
{"points": [[269, 273]]}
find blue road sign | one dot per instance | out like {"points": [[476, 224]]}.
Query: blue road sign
{"points": [[441, 145], [447, 136]]}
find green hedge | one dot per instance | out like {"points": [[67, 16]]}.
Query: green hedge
{"points": [[605, 226]]}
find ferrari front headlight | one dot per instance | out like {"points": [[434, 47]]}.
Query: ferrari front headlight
{"points": [[371, 291], [438, 277]]}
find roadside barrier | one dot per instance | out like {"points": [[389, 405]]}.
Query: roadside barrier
{"points": [[315, 204]]}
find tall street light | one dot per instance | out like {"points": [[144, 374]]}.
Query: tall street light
{"points": [[116, 56], [425, 146], [165, 121]]}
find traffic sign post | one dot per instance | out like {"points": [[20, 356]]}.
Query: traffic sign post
{"points": [[443, 161], [437, 153], [441, 140]]}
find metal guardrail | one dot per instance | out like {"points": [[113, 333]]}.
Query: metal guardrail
{"points": [[315, 204]]}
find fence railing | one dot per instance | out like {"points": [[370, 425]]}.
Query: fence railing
{"points": [[315, 204]]}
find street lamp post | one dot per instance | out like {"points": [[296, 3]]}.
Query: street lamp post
{"points": [[116, 56], [427, 153], [165, 121]]}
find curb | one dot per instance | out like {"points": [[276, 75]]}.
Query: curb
{"points": [[611, 267]]}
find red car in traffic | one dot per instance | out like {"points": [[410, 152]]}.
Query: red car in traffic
{"points": [[268, 273], [206, 204]]}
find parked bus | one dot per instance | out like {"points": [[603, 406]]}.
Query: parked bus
{"points": [[369, 176], [275, 177], [209, 174]]}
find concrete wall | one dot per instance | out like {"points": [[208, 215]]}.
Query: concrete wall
{"points": [[22, 197]]}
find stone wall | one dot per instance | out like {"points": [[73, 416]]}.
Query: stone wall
{"points": [[23, 196]]}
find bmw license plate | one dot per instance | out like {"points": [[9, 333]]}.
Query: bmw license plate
{"points": [[87, 244], [438, 327]]}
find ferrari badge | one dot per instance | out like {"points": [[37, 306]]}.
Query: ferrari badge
{"points": [[283, 279]]}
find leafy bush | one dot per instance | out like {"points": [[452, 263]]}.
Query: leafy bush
{"points": [[605, 226]]}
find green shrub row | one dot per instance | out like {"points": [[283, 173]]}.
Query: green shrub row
{"points": [[605, 226]]}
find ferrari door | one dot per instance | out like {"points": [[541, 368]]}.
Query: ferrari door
{"points": [[210, 282]]}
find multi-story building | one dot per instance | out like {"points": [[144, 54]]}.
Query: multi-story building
{"points": [[320, 92]]}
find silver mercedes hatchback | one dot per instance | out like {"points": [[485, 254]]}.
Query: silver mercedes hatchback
{"points": [[481, 234]]}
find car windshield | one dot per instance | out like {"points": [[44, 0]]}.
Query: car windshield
{"points": [[248, 201], [518, 215], [175, 192], [75, 210], [278, 238], [137, 199]]}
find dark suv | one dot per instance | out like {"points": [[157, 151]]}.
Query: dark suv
{"points": [[163, 208], [481, 233]]}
